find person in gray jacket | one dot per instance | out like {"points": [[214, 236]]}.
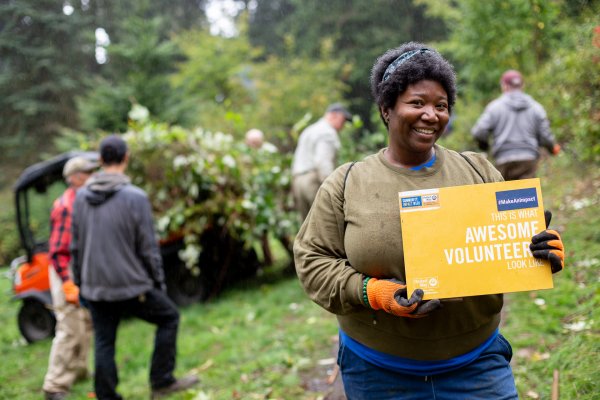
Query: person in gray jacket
{"points": [[315, 155], [118, 267], [519, 126]]}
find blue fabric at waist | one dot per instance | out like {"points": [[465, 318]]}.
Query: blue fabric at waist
{"points": [[409, 366]]}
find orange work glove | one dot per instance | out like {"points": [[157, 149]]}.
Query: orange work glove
{"points": [[71, 292], [549, 246], [556, 149], [390, 295]]}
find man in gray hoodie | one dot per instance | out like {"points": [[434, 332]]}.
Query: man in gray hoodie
{"points": [[118, 268], [519, 126]]}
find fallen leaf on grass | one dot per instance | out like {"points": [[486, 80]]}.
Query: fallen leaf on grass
{"points": [[540, 302], [540, 356], [326, 361], [578, 204], [532, 395], [207, 364], [530, 354], [526, 352], [578, 326], [201, 396], [588, 262]]}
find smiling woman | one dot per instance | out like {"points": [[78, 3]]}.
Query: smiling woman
{"points": [[350, 260]]}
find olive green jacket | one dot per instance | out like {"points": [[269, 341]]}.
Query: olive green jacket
{"points": [[354, 231]]}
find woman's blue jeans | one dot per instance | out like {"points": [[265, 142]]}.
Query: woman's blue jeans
{"points": [[488, 377]]}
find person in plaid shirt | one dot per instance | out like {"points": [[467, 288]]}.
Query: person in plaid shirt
{"points": [[70, 347]]}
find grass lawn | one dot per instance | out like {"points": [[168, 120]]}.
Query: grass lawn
{"points": [[261, 341], [265, 340], [557, 330]]}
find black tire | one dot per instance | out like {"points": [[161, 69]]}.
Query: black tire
{"points": [[183, 286], [36, 321], [222, 261]]}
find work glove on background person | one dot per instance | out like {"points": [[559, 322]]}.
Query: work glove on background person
{"points": [[549, 246], [71, 292], [390, 295]]}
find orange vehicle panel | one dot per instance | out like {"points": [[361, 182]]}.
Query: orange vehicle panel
{"points": [[34, 275]]}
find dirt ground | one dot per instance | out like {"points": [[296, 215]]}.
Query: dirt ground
{"points": [[325, 377]]}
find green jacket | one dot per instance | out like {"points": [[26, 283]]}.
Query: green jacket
{"points": [[355, 232]]}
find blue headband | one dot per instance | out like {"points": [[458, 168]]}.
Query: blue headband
{"points": [[400, 60]]}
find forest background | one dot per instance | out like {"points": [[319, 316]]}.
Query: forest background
{"points": [[73, 71], [184, 91]]}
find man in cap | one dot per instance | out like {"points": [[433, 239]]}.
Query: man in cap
{"points": [[118, 266], [316, 154], [73, 334], [519, 127]]}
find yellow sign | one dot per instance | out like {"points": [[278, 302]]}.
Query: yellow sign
{"points": [[473, 240]]}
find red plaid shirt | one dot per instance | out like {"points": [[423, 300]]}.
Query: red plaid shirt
{"points": [[60, 233]]}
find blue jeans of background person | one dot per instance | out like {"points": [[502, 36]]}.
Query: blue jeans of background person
{"points": [[488, 377], [154, 307]]}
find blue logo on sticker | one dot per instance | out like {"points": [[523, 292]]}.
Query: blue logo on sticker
{"points": [[516, 199], [411, 202]]}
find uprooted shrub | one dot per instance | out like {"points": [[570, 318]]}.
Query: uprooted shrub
{"points": [[201, 181]]}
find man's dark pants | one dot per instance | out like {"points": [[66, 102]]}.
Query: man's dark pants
{"points": [[154, 307], [515, 170]]}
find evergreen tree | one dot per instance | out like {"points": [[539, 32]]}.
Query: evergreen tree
{"points": [[358, 32], [44, 52]]}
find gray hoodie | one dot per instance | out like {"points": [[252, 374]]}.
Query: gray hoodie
{"points": [[115, 253], [519, 126]]}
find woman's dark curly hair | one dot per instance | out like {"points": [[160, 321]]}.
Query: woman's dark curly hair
{"points": [[423, 65]]}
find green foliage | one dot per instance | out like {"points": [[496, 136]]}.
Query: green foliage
{"points": [[217, 89], [174, 16], [556, 44], [9, 237], [137, 72], [289, 87], [238, 90], [569, 84], [358, 143], [264, 339], [48, 62], [198, 180], [557, 329], [356, 32], [38, 78], [490, 37], [105, 107]]}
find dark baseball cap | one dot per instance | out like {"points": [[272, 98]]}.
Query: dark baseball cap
{"points": [[113, 149], [339, 107]]}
